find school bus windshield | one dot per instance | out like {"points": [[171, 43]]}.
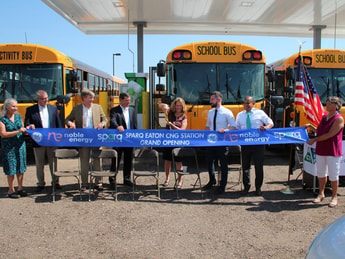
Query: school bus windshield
{"points": [[21, 81], [194, 82], [328, 82]]}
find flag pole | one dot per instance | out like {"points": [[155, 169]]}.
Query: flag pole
{"points": [[288, 190]]}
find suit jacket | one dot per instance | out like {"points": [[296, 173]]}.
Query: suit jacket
{"points": [[76, 116], [32, 116], [117, 118]]}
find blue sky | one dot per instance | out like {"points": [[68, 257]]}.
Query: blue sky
{"points": [[34, 22]]}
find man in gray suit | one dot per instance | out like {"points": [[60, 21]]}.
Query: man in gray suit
{"points": [[43, 115], [87, 115]]}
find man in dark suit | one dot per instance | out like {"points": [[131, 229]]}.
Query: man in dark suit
{"points": [[123, 117], [42, 115]]}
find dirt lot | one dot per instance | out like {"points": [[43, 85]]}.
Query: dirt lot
{"points": [[275, 225]]}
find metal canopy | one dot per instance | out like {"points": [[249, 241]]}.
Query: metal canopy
{"points": [[222, 17], [294, 18]]}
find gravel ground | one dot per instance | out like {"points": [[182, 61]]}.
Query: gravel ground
{"points": [[275, 225]]}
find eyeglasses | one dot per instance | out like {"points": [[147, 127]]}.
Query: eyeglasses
{"points": [[43, 98], [246, 103]]}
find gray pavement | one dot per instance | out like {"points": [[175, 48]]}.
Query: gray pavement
{"points": [[274, 225]]}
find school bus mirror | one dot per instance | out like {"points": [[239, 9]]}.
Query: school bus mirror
{"points": [[288, 89], [72, 76], [161, 69], [271, 76], [74, 89], [166, 99], [62, 99], [277, 101], [160, 87], [290, 73]]}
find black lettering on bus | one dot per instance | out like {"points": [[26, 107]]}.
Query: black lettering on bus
{"points": [[341, 58], [9, 55], [209, 50], [325, 58], [26, 55], [229, 50]]}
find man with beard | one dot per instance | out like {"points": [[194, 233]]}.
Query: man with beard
{"points": [[221, 119]]}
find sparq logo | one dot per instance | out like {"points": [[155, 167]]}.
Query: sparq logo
{"points": [[109, 137], [281, 135]]}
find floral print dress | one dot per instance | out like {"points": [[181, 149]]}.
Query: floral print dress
{"points": [[13, 149]]}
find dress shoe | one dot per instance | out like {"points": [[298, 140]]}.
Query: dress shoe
{"points": [[39, 188], [22, 193], [112, 185], [128, 183], [13, 195], [245, 191], [209, 184], [258, 192], [220, 191], [99, 187]]}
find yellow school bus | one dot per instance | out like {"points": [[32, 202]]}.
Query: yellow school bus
{"points": [[326, 68], [26, 68], [195, 70]]}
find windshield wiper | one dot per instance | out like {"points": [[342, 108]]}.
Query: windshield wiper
{"points": [[327, 87], [229, 89]]}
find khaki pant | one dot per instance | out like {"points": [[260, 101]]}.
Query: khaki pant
{"points": [[40, 159]]}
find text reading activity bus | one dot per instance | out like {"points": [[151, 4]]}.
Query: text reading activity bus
{"points": [[195, 70], [26, 68], [327, 71]]}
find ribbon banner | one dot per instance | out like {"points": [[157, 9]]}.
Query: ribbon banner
{"points": [[80, 137]]}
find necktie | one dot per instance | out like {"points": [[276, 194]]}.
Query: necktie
{"points": [[249, 123], [214, 119]]}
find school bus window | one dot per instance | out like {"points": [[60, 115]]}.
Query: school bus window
{"points": [[43, 81], [91, 82], [96, 89], [85, 80], [79, 75], [101, 85]]}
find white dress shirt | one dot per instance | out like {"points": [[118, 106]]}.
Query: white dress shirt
{"points": [[257, 117], [87, 117], [224, 118], [44, 116], [125, 112]]}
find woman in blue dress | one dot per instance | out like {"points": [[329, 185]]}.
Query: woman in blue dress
{"points": [[13, 147]]}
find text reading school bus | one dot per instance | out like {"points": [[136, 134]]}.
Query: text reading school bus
{"points": [[195, 70], [327, 71]]}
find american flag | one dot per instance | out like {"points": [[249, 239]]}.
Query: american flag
{"points": [[306, 95]]}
